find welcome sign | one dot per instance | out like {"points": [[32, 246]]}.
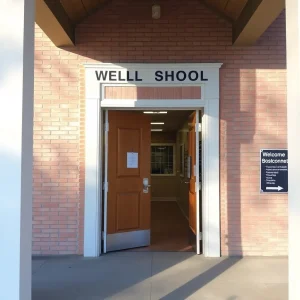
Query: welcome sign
{"points": [[274, 170]]}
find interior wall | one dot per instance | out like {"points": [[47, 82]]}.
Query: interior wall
{"points": [[164, 187], [173, 187]]}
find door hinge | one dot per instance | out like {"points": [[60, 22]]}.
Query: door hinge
{"points": [[199, 129], [106, 127], [200, 236], [105, 186]]}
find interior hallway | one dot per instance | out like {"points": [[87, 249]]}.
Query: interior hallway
{"points": [[166, 276], [169, 228]]}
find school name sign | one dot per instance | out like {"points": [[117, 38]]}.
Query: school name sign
{"points": [[206, 76], [158, 75]]}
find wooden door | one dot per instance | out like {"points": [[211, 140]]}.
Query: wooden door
{"points": [[192, 183], [128, 198]]}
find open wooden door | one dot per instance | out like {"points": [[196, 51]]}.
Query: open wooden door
{"points": [[193, 152], [128, 173]]}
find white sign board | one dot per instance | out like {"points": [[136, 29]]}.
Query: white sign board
{"points": [[132, 160]]}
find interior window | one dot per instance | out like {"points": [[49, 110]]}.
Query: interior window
{"points": [[162, 159]]}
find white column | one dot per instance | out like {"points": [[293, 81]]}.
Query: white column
{"points": [[93, 179], [293, 121], [16, 126], [211, 179]]}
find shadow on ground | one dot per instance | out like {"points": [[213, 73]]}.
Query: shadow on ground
{"points": [[153, 275]]}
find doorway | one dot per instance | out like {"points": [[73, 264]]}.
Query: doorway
{"points": [[152, 198], [151, 92]]}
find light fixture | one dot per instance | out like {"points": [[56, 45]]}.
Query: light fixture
{"points": [[157, 123], [155, 11], [156, 130], [155, 112]]}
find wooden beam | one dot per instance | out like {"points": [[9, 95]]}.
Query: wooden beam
{"points": [[254, 20], [217, 11], [54, 21], [75, 9]]}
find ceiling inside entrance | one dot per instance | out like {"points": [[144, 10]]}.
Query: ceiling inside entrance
{"points": [[173, 120]]}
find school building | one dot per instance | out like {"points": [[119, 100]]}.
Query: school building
{"points": [[154, 126]]}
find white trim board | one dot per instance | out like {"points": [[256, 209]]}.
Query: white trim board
{"points": [[209, 104]]}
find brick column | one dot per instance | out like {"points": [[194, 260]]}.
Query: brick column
{"points": [[16, 115]]}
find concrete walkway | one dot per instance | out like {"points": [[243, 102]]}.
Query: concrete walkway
{"points": [[167, 276]]}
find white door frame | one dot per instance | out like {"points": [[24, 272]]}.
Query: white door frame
{"points": [[106, 183], [197, 187], [96, 103]]}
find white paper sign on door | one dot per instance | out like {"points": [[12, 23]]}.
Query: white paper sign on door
{"points": [[132, 160]]}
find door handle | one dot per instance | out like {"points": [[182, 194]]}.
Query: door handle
{"points": [[146, 185]]}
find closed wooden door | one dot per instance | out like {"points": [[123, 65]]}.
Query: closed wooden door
{"points": [[129, 192], [192, 183]]}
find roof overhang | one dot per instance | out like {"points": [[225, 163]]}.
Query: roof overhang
{"points": [[54, 21], [58, 20], [254, 20]]}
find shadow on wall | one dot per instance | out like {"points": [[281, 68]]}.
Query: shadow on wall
{"points": [[56, 216], [57, 211], [252, 119]]}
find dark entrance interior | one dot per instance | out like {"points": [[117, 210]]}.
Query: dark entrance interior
{"points": [[169, 183]]}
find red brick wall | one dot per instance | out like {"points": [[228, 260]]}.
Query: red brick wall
{"points": [[153, 93], [252, 116]]}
